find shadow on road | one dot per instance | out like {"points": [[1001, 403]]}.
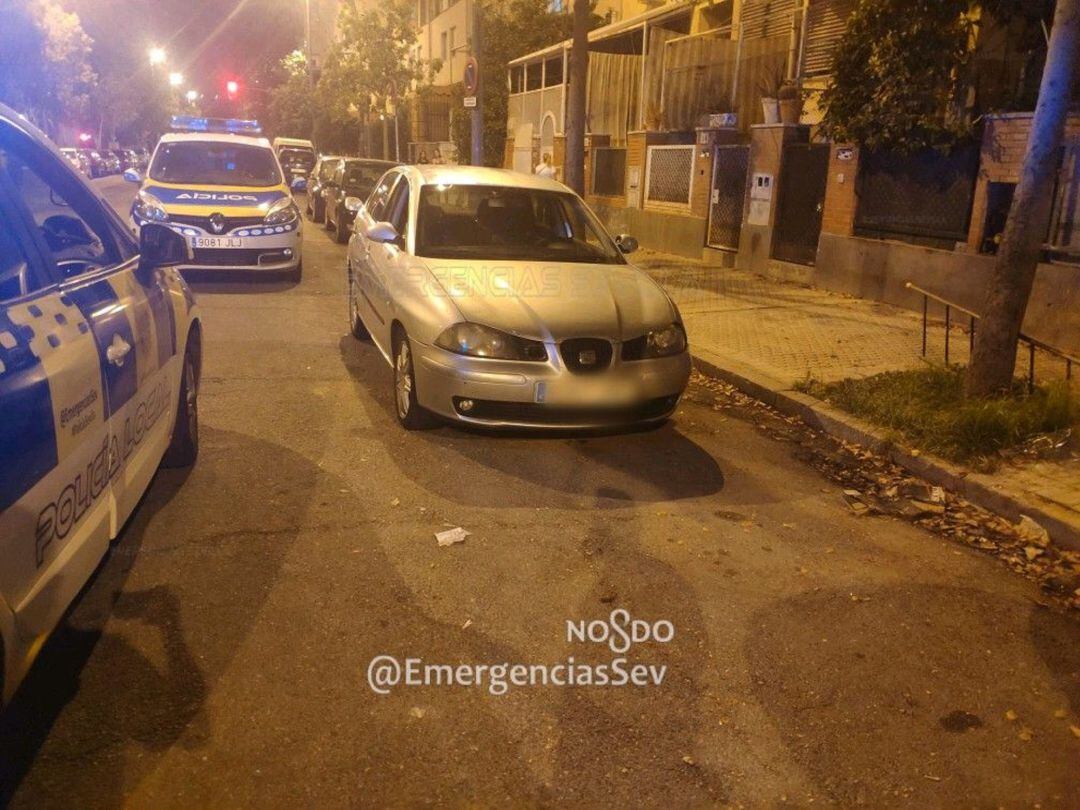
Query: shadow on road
{"points": [[656, 464]]}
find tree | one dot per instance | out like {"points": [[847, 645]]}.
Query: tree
{"points": [[576, 105], [994, 358], [291, 104], [45, 70], [511, 29], [897, 75]]}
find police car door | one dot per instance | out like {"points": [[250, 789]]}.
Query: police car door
{"points": [[55, 504]]}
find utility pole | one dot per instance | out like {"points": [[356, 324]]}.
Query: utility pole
{"points": [[574, 170], [993, 361], [477, 157]]}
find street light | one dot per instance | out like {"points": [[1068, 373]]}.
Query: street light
{"points": [[192, 96], [176, 79], [157, 56]]}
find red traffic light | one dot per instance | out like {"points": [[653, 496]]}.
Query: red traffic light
{"points": [[232, 87]]}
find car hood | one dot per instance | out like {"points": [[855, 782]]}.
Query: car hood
{"points": [[555, 301]]}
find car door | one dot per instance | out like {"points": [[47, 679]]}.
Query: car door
{"points": [[56, 512], [372, 288], [330, 195]]}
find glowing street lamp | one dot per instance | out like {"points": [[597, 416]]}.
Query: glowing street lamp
{"points": [[157, 56], [192, 96], [176, 79]]}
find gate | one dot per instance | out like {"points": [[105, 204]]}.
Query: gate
{"points": [[804, 172], [730, 167]]}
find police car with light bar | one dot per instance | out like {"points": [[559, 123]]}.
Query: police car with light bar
{"points": [[100, 351], [218, 183]]}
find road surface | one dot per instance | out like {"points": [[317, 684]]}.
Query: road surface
{"points": [[220, 655]]}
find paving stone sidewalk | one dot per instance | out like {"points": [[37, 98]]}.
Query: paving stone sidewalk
{"points": [[784, 333]]}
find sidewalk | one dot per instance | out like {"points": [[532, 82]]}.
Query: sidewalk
{"points": [[766, 336]]}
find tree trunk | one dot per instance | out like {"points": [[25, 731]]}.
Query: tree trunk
{"points": [[574, 169], [994, 359]]}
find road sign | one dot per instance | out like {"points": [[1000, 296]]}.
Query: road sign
{"points": [[471, 77], [470, 101]]}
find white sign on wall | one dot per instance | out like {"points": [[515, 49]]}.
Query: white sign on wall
{"points": [[761, 193]]}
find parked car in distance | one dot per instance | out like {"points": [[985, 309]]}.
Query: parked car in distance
{"points": [[297, 157], [499, 299], [355, 177], [95, 161], [77, 159], [127, 158], [319, 184]]}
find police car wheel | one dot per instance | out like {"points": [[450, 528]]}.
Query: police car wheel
{"points": [[406, 407], [184, 447], [296, 273], [356, 325]]}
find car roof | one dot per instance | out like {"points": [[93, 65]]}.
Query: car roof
{"points": [[213, 137], [389, 164], [452, 175]]}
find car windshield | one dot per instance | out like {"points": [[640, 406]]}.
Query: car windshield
{"points": [[359, 177], [214, 164], [297, 157], [327, 169], [500, 222]]}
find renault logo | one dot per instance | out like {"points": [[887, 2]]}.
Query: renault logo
{"points": [[217, 223], [587, 357]]}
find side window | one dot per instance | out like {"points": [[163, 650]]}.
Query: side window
{"points": [[398, 208], [376, 204], [71, 223], [17, 276]]}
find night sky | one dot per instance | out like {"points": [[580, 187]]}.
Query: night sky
{"points": [[209, 41]]}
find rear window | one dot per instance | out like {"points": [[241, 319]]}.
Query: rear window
{"points": [[297, 157]]}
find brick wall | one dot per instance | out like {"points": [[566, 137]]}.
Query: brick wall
{"points": [[838, 216]]}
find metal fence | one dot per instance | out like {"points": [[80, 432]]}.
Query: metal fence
{"points": [[669, 174], [924, 197], [608, 171]]}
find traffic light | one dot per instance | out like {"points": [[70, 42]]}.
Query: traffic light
{"points": [[232, 88]]}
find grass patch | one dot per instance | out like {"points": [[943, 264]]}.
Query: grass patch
{"points": [[927, 407]]}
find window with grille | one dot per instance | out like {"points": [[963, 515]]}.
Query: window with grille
{"points": [[669, 174]]}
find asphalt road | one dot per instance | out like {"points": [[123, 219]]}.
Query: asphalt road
{"points": [[219, 656]]}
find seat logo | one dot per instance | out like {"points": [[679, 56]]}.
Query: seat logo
{"points": [[217, 222]]}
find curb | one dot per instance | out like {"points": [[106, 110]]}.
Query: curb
{"points": [[981, 490]]}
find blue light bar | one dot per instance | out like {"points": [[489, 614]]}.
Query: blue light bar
{"points": [[235, 126]]}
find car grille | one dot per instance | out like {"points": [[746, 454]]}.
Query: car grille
{"points": [[231, 223], [539, 414], [586, 355], [238, 257]]}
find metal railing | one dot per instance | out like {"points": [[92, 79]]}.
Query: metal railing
{"points": [[973, 317]]}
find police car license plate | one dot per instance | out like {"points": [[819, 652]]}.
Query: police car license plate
{"points": [[217, 242]]}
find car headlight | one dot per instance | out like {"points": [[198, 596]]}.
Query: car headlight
{"points": [[147, 207], [282, 212], [663, 342], [476, 340]]}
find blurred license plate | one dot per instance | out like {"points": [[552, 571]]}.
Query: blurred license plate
{"points": [[217, 242]]}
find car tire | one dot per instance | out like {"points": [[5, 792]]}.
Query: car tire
{"points": [[296, 273], [356, 324], [317, 214], [409, 413], [341, 231], [184, 447], [327, 223]]}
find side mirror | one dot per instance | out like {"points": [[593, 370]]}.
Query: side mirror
{"points": [[353, 204], [626, 243], [298, 184], [132, 176], [161, 246], [382, 232]]}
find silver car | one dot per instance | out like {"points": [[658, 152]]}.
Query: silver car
{"points": [[499, 299]]}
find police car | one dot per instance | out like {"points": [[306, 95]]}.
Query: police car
{"points": [[100, 345], [220, 185]]}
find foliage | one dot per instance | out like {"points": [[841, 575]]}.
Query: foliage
{"points": [[45, 70], [928, 408], [372, 64], [291, 104], [509, 29], [897, 75]]}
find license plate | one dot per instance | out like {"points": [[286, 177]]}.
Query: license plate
{"points": [[217, 242]]}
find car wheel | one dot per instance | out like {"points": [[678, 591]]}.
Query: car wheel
{"points": [[184, 446], [296, 273], [318, 213], [356, 325], [341, 231], [406, 407], [328, 224]]}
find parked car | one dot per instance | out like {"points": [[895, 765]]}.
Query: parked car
{"points": [[77, 159], [127, 158], [111, 161], [142, 157], [100, 346], [319, 184], [499, 299], [95, 162], [355, 177], [297, 158]]}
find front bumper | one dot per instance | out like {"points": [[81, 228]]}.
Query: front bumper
{"points": [[264, 247], [506, 393]]}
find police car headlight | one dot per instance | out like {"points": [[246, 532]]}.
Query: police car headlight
{"points": [[282, 212], [148, 207]]}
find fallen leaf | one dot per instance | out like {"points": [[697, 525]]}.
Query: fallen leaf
{"points": [[1026, 734], [451, 536], [417, 712], [1075, 730], [395, 502], [1011, 716], [467, 625], [1061, 713]]}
